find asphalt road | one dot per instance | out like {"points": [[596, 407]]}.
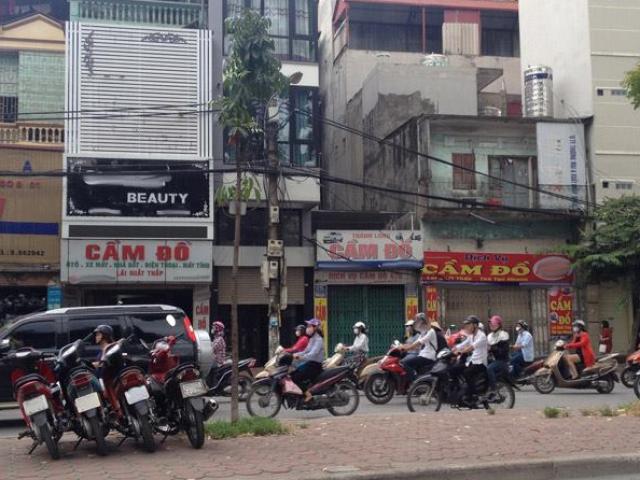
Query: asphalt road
{"points": [[11, 424]]}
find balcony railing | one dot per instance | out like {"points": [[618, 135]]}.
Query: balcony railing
{"points": [[31, 134], [497, 194], [158, 12]]}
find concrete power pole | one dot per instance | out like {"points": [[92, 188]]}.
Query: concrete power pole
{"points": [[275, 266]]}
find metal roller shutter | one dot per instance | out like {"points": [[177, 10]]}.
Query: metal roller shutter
{"points": [[250, 291]]}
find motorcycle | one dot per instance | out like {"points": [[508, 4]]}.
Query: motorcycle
{"points": [[527, 376], [178, 393], [628, 375], [388, 378], [38, 395], [333, 390], [555, 373], [82, 392], [219, 378], [441, 385], [127, 394]]}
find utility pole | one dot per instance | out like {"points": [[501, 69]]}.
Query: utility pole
{"points": [[275, 245], [235, 357]]}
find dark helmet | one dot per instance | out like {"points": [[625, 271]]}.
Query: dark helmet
{"points": [[106, 331], [301, 328], [523, 324], [471, 319]]}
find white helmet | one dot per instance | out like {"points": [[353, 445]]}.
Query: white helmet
{"points": [[409, 323], [360, 325]]}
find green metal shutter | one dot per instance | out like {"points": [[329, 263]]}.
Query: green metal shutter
{"points": [[346, 307], [385, 317]]}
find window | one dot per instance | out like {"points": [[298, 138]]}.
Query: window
{"points": [[618, 92], [600, 92], [8, 109], [38, 335], [605, 184], [464, 179], [152, 326], [499, 34], [624, 185], [253, 230], [81, 327], [293, 25]]}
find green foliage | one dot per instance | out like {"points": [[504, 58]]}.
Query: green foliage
{"points": [[249, 189], [254, 426], [612, 249], [555, 412], [632, 83], [251, 75]]}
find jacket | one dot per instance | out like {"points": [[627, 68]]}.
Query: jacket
{"points": [[582, 343], [299, 346]]}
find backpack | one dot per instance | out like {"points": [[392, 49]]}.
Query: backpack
{"points": [[442, 341]]}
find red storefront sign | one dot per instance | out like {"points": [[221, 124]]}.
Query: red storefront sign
{"points": [[496, 268], [560, 311], [431, 295]]}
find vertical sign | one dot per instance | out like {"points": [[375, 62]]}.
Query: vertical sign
{"points": [[560, 311], [320, 311], [410, 301], [431, 296], [201, 308], [54, 297]]}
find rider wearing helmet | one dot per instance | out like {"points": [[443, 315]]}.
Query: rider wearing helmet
{"points": [[311, 358], [301, 342], [581, 343], [361, 342], [219, 345], [498, 340], [426, 343], [103, 337], [523, 347], [476, 345]]}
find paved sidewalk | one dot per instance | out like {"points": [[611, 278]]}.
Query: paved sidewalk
{"points": [[339, 447]]}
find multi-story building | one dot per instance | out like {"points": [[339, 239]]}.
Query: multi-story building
{"points": [[428, 100], [31, 142], [138, 221], [590, 45]]}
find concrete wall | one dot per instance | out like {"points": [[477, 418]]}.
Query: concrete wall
{"points": [[611, 301], [556, 34]]}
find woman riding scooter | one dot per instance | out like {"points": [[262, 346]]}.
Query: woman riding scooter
{"points": [[311, 358], [581, 343], [361, 342]]}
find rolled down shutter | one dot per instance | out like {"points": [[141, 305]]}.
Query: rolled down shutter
{"points": [[250, 290]]}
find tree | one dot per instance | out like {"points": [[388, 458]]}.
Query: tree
{"points": [[632, 83], [251, 78], [611, 251]]}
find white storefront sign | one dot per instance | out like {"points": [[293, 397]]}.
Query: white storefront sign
{"points": [[136, 261]]}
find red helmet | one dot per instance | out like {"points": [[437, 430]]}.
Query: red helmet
{"points": [[496, 321]]}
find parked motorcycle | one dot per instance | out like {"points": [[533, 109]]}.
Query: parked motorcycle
{"points": [[388, 378], [334, 390], [628, 375], [82, 392], [127, 394], [219, 378], [178, 393], [555, 373], [440, 386], [38, 395]]}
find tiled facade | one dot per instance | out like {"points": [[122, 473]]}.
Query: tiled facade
{"points": [[41, 79]]}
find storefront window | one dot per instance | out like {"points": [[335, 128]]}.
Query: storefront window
{"points": [[254, 228], [292, 25]]}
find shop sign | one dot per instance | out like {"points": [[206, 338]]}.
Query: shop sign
{"points": [[560, 312], [321, 311], [136, 261], [201, 307], [161, 189], [496, 268], [410, 301], [54, 297], [364, 277], [346, 249], [431, 296]]}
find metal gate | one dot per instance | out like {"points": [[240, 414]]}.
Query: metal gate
{"points": [[380, 307]]}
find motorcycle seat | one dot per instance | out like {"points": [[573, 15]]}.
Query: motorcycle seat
{"points": [[330, 373], [32, 377], [591, 369]]}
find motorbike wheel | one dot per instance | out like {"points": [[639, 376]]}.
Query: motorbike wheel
{"points": [[379, 389], [244, 384], [97, 431], [636, 386], [194, 424], [146, 432], [351, 391], [505, 396], [544, 384], [628, 377], [422, 397], [608, 388], [46, 435], [262, 402]]}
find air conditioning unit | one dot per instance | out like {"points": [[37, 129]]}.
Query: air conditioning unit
{"points": [[275, 248]]}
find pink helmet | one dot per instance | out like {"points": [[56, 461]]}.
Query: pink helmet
{"points": [[496, 321], [218, 327]]}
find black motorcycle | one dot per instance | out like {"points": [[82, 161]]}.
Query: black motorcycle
{"points": [[219, 378], [443, 385]]}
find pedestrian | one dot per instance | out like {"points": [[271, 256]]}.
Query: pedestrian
{"points": [[606, 338], [219, 345], [524, 349]]}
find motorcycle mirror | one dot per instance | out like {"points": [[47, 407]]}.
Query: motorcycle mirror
{"points": [[396, 343], [144, 344]]}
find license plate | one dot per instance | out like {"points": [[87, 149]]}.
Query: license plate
{"points": [[193, 389], [136, 394], [35, 405], [87, 402]]}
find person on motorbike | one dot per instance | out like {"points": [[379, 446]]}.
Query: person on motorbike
{"points": [[523, 348], [498, 340], [361, 342], [301, 342], [103, 338], [427, 343], [454, 336], [581, 343], [219, 345], [412, 336], [311, 358], [477, 347]]}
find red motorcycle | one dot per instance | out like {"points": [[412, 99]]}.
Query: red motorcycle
{"points": [[38, 395], [178, 393], [628, 376], [389, 378]]}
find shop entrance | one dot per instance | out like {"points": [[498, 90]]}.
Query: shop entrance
{"points": [[380, 307], [16, 301], [182, 298]]}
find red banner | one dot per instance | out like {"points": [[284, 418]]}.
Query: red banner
{"points": [[496, 267], [431, 295], [560, 311]]}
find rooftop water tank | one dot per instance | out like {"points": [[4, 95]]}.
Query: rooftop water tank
{"points": [[538, 92]]}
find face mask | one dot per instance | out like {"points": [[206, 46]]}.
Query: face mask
{"points": [[356, 331], [576, 329], [518, 329], [309, 331], [298, 333]]}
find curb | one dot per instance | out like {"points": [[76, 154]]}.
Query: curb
{"points": [[549, 469]]}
